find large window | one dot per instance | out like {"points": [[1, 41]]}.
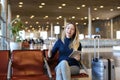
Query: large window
{"points": [[43, 35], [0, 32]]}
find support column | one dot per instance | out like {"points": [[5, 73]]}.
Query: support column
{"points": [[65, 22], [51, 30], [3, 24], [111, 21], [89, 23], [9, 20]]}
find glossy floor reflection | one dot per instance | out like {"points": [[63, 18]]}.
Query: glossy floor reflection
{"points": [[117, 76]]}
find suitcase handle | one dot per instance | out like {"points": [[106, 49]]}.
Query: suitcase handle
{"points": [[96, 46]]}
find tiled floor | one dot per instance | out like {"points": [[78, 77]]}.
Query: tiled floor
{"points": [[117, 75]]}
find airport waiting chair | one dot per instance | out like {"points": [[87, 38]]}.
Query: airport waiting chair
{"points": [[51, 63], [4, 58], [27, 65]]}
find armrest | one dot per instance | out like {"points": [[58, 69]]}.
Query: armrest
{"points": [[9, 72], [48, 69], [84, 67]]}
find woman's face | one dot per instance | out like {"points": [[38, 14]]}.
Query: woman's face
{"points": [[70, 30]]}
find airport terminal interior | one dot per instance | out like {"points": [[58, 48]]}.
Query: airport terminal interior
{"points": [[34, 24]]}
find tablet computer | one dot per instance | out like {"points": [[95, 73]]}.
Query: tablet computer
{"points": [[75, 53]]}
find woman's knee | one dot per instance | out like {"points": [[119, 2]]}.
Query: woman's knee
{"points": [[64, 62]]}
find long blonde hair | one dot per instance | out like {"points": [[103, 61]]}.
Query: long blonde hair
{"points": [[75, 38]]}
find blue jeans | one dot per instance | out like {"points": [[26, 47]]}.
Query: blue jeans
{"points": [[64, 71]]}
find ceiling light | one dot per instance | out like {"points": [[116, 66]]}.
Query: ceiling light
{"points": [[37, 22], [26, 22], [57, 23], [73, 17], [30, 26], [85, 17], [47, 26], [111, 9], [108, 18], [101, 6], [118, 7], [76, 23], [46, 16], [20, 5], [83, 5], [18, 16], [60, 7], [95, 9], [28, 30], [63, 4], [57, 18], [93, 19], [42, 3], [82, 18], [97, 18], [40, 6], [32, 16], [60, 16], [20, 2], [85, 23], [15, 22], [77, 7], [33, 28], [47, 22]]}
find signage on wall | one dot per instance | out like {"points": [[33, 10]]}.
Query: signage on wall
{"points": [[97, 30], [117, 34], [56, 29]]}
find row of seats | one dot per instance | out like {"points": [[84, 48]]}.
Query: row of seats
{"points": [[26, 65], [4, 58], [22, 65]]}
